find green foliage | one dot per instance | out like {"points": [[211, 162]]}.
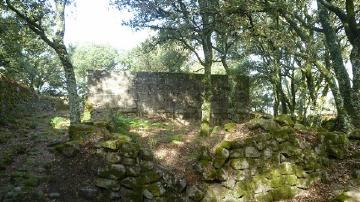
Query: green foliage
{"points": [[93, 57], [169, 57], [26, 58]]}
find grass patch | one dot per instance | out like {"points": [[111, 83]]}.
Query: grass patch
{"points": [[60, 122], [176, 139], [123, 124]]}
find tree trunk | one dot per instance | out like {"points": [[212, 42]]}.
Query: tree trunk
{"points": [[206, 102], [355, 62], [74, 102], [233, 107], [350, 98], [278, 87], [276, 102], [205, 12], [342, 116]]}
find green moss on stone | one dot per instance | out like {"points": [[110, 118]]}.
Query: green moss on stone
{"points": [[221, 156], [284, 119], [156, 189], [205, 129], [230, 127], [150, 177], [115, 143], [239, 164], [263, 197], [282, 193], [68, 149], [105, 183], [80, 131], [282, 134], [265, 124], [335, 144]]}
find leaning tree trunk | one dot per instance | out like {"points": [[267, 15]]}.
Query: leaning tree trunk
{"points": [[343, 118], [74, 102]]}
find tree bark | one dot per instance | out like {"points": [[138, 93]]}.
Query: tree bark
{"points": [[74, 102], [350, 97]]}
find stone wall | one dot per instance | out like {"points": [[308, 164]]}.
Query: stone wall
{"points": [[173, 94], [273, 164]]}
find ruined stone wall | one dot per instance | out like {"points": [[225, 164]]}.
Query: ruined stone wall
{"points": [[173, 94]]}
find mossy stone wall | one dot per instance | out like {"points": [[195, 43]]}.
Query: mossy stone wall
{"points": [[173, 94]]}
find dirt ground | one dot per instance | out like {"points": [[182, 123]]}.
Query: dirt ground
{"points": [[29, 166]]}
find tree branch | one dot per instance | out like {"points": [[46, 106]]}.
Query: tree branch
{"points": [[341, 14], [32, 25]]}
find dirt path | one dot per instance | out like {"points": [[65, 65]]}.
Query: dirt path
{"points": [[25, 155]]}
